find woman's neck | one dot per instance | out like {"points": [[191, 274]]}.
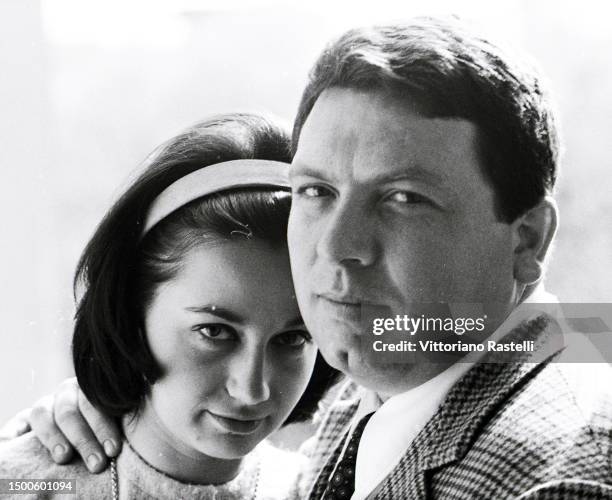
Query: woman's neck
{"points": [[166, 453]]}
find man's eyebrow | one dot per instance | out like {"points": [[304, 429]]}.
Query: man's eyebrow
{"points": [[220, 312], [303, 169], [411, 172]]}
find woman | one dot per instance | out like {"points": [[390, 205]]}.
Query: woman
{"points": [[187, 328]]}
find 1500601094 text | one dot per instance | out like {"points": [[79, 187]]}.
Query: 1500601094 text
{"points": [[28, 486]]}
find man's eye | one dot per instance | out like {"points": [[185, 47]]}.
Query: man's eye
{"points": [[408, 197], [313, 191], [215, 332], [296, 338]]}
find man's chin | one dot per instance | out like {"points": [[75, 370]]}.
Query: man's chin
{"points": [[350, 355], [381, 378], [386, 379]]}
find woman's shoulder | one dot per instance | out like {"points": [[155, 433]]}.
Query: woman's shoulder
{"points": [[26, 458], [279, 471]]}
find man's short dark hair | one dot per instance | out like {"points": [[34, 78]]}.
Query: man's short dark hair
{"points": [[447, 71], [119, 270]]}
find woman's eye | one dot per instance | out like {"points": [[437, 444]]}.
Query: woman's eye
{"points": [[296, 338], [215, 332]]}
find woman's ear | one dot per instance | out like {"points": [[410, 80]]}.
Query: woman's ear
{"points": [[533, 233]]}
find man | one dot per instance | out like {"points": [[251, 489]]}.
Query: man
{"points": [[424, 162], [425, 159]]}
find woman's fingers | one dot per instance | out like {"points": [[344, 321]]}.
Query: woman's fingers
{"points": [[75, 427], [104, 428], [16, 426], [44, 426]]}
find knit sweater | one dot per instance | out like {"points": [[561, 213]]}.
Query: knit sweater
{"points": [[266, 474]]}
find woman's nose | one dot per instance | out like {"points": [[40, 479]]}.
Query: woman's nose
{"points": [[248, 381]]}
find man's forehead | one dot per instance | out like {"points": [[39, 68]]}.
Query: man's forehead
{"points": [[386, 173], [377, 135]]}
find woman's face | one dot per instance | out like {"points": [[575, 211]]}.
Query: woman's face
{"points": [[234, 353]]}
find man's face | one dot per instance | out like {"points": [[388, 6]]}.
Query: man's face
{"points": [[390, 208]]}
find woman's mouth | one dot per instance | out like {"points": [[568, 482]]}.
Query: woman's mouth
{"points": [[235, 425]]}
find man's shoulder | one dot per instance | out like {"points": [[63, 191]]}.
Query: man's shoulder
{"points": [[555, 409], [561, 402], [555, 430]]}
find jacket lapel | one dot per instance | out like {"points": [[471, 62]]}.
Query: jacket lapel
{"points": [[468, 407]]}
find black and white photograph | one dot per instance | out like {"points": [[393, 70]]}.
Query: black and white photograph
{"points": [[326, 250]]}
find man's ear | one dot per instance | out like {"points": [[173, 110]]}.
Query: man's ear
{"points": [[533, 233]]}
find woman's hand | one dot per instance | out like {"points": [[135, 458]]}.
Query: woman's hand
{"points": [[66, 421]]}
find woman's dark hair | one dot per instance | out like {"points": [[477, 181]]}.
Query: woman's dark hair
{"points": [[119, 270]]}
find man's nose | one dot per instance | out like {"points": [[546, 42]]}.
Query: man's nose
{"points": [[347, 235], [248, 379]]}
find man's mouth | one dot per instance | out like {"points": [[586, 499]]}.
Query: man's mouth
{"points": [[341, 300], [343, 307], [236, 424]]}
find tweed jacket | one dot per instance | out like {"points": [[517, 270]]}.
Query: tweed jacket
{"points": [[522, 430]]}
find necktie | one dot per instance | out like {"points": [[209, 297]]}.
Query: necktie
{"points": [[342, 482]]}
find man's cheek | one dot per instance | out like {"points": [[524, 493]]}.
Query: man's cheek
{"points": [[301, 257]]}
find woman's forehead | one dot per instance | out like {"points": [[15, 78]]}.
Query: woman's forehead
{"points": [[243, 279]]}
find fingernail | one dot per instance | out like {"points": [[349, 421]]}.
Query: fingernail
{"points": [[23, 428], [59, 451], [93, 461], [110, 447]]}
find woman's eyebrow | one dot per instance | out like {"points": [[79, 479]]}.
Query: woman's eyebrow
{"points": [[232, 317], [220, 312]]}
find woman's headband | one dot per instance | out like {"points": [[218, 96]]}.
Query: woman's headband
{"points": [[213, 179]]}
